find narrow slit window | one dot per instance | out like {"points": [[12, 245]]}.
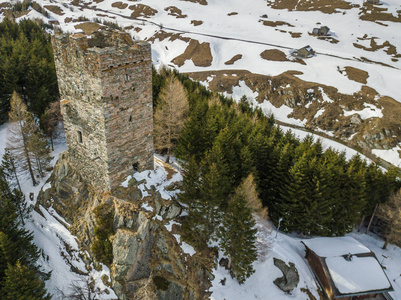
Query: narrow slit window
{"points": [[79, 136], [135, 166], [126, 77], [130, 119]]}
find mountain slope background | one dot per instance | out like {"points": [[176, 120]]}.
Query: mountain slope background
{"points": [[348, 90]]}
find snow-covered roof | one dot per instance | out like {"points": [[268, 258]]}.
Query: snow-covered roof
{"points": [[335, 246], [358, 275], [353, 268]]}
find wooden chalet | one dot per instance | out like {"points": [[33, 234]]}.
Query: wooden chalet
{"points": [[322, 31], [346, 269], [304, 52]]}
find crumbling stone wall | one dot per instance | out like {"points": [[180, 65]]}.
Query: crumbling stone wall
{"points": [[105, 83]]}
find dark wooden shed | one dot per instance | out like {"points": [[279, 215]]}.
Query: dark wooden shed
{"points": [[305, 52], [346, 269], [322, 31]]}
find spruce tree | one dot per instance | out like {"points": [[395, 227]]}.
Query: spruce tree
{"points": [[9, 165], [238, 235], [23, 283]]}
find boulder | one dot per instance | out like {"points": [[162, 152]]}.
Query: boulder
{"points": [[290, 278]]}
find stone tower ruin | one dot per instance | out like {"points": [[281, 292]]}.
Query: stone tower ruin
{"points": [[105, 83]]}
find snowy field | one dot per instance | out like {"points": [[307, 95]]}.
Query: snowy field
{"points": [[238, 29]]}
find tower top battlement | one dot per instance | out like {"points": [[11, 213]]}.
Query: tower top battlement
{"points": [[105, 82]]}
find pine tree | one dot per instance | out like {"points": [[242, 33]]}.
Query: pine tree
{"points": [[23, 283], [238, 235], [9, 165], [170, 114], [195, 224]]}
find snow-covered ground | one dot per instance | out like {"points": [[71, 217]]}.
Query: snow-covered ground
{"points": [[290, 249], [244, 33]]}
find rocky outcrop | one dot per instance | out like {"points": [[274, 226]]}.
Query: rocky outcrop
{"points": [[290, 278], [148, 262]]}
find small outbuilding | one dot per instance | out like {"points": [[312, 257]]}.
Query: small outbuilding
{"points": [[346, 269], [322, 31], [304, 52]]}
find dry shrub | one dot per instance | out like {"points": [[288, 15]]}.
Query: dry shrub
{"points": [[54, 9], [201, 2], [276, 23], [325, 6], [357, 74], [233, 59], [274, 55], [140, 10], [119, 5], [200, 54], [196, 22], [176, 12]]}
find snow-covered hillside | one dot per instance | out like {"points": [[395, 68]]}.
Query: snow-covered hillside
{"points": [[362, 48], [250, 27]]}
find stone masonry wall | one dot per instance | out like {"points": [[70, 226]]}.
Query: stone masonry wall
{"points": [[105, 83]]}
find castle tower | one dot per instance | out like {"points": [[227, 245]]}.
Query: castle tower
{"points": [[105, 83]]}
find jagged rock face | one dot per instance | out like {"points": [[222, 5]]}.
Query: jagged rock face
{"points": [[148, 263]]}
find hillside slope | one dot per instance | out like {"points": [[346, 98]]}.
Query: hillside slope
{"points": [[249, 44]]}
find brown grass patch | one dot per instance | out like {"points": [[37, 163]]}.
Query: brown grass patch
{"points": [[274, 55], [176, 12], [196, 22], [373, 13], [88, 27], [389, 48], [201, 2], [232, 13], [162, 35], [54, 9], [357, 75], [140, 10], [200, 54], [325, 6], [120, 5], [276, 23], [295, 34], [5, 4], [233, 59], [67, 20], [98, 1]]}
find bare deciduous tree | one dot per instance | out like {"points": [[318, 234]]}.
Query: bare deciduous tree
{"points": [[26, 141], [50, 120], [170, 114], [19, 133], [248, 186]]}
